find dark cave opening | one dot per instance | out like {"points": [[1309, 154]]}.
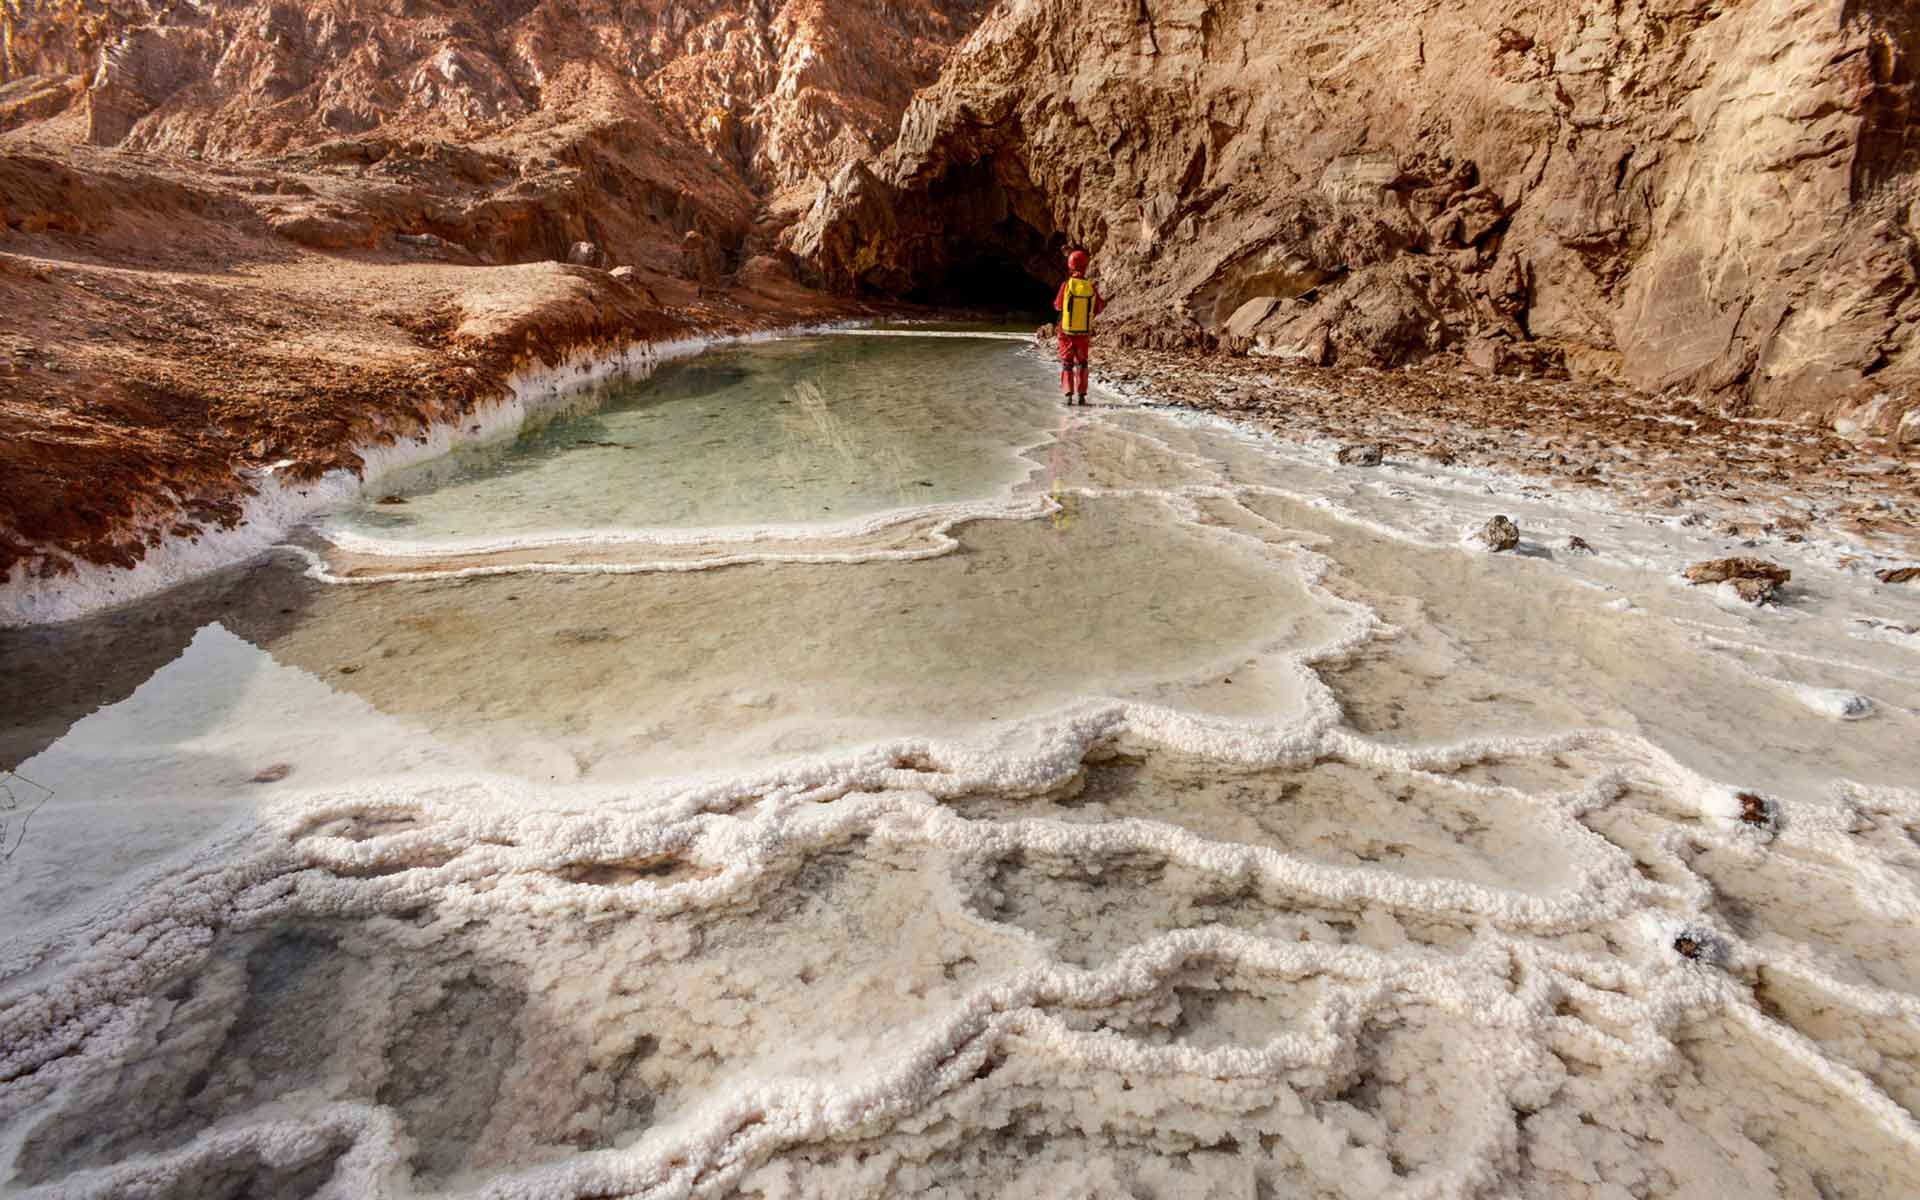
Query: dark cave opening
{"points": [[1000, 254], [987, 278]]}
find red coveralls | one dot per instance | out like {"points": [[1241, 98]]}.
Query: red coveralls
{"points": [[1075, 347]]}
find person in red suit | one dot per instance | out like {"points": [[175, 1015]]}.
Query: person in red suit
{"points": [[1078, 302]]}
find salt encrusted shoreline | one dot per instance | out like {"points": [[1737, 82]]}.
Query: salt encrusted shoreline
{"points": [[277, 507]]}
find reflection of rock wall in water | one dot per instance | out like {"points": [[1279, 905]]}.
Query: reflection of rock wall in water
{"points": [[1712, 198]]}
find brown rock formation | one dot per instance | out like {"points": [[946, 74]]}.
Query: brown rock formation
{"points": [[1718, 198], [1498, 534], [512, 130], [1719, 570], [787, 92]]}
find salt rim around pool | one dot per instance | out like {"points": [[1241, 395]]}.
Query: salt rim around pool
{"points": [[1527, 982], [902, 535], [838, 402], [276, 507]]}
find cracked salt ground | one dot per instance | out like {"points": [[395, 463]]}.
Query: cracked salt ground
{"points": [[475, 1041], [1208, 824]]}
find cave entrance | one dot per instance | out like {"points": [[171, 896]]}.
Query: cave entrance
{"points": [[996, 256], [986, 278]]}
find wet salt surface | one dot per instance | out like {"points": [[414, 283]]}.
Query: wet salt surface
{"points": [[615, 677], [1175, 815]]}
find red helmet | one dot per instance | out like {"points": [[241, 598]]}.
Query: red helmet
{"points": [[1077, 260]]}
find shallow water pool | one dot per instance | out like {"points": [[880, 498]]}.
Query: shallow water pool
{"points": [[810, 431]]}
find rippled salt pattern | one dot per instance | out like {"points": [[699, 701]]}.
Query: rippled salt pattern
{"points": [[1175, 814]]}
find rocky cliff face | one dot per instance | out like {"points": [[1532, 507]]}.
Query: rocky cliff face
{"points": [[1719, 197], [512, 128]]}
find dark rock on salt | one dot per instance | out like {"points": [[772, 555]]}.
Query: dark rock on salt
{"points": [[1498, 534]]}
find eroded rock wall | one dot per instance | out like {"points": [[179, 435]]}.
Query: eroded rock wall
{"points": [[1718, 197], [715, 108]]}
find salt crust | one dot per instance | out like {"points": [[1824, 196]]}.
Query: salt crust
{"points": [[758, 546], [501, 858], [1503, 487], [500, 846]]}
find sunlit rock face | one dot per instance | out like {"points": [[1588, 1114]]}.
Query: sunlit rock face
{"points": [[1712, 198], [709, 109]]}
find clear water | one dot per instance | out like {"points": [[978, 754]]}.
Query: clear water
{"points": [[813, 431], [1176, 814]]}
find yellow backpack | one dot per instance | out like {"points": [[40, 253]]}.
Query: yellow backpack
{"points": [[1076, 307]]}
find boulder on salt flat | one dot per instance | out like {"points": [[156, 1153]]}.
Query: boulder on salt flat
{"points": [[1498, 534], [1754, 580]]}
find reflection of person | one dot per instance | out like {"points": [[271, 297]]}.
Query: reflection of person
{"points": [[1079, 301], [1060, 460]]}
